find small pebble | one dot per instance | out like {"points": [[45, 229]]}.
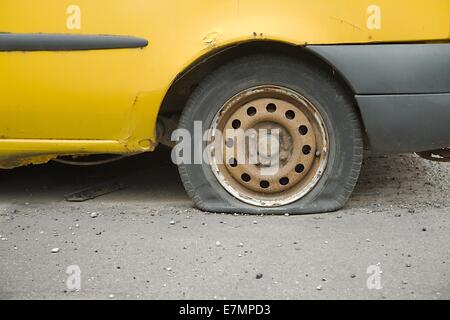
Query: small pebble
{"points": [[94, 215], [259, 276], [55, 250]]}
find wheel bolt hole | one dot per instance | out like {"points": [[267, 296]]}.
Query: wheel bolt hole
{"points": [[246, 178], [303, 130], [290, 114], [306, 150], [236, 124], [299, 168], [251, 111], [284, 181], [233, 162], [271, 108], [264, 184]]}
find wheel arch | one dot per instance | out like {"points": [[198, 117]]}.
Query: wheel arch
{"points": [[186, 81]]}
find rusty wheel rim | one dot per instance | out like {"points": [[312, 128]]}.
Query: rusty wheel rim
{"points": [[269, 146]]}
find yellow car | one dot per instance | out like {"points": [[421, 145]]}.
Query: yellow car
{"points": [[310, 84]]}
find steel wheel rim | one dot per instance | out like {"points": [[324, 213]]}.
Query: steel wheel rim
{"points": [[303, 146]]}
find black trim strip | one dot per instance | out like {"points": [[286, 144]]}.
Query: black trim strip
{"points": [[391, 68], [406, 123], [66, 42]]}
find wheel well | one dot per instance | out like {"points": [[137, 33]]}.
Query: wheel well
{"points": [[186, 82]]}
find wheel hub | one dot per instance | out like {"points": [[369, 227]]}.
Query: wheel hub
{"points": [[274, 148]]}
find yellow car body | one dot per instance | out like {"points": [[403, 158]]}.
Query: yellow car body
{"points": [[76, 102]]}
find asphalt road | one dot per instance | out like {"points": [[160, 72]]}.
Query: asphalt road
{"points": [[147, 241]]}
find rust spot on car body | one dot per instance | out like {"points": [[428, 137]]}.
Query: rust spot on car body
{"points": [[21, 160]]}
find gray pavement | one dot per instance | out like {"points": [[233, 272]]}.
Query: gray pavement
{"points": [[147, 241]]}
